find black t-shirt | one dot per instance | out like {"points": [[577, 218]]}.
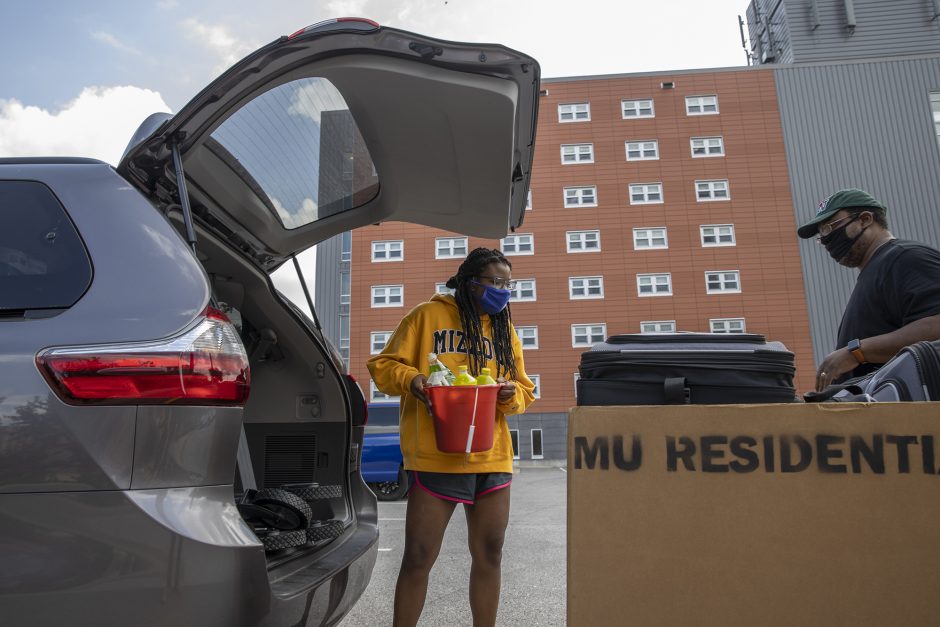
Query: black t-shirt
{"points": [[900, 284]]}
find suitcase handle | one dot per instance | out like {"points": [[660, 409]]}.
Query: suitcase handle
{"points": [[676, 392], [663, 338]]}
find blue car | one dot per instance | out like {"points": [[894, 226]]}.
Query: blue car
{"points": [[382, 465]]}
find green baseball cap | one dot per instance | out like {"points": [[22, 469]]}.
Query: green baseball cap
{"points": [[843, 199]]}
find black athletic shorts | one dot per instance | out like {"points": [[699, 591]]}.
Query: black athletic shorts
{"points": [[459, 487]]}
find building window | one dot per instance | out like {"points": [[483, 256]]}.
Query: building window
{"points": [[388, 295], [536, 379], [574, 112], [393, 250], [577, 377], [581, 196], [717, 234], [376, 396], [514, 436], [935, 108], [723, 282], [528, 201], [346, 246], [637, 109], [450, 248], [377, 340], [585, 287], [441, 288], [344, 340], [649, 238], [528, 337], [583, 241], [587, 334], [658, 326], [642, 150], [701, 105], [537, 444], [519, 244], [345, 292], [646, 193], [727, 325], [706, 191], [654, 284], [708, 147], [524, 291], [577, 153]]}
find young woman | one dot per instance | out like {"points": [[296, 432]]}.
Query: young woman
{"points": [[474, 328]]}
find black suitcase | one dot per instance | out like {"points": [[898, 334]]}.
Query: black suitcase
{"points": [[911, 375], [679, 368]]}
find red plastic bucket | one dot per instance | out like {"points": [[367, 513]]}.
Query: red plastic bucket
{"points": [[453, 410]]}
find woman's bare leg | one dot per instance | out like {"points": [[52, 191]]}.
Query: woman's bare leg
{"points": [[486, 529]]}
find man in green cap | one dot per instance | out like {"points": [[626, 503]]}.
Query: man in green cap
{"points": [[896, 300]]}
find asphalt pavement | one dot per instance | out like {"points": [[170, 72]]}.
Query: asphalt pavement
{"points": [[533, 588]]}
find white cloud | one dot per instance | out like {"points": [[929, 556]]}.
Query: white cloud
{"points": [[218, 40], [97, 124], [110, 40]]}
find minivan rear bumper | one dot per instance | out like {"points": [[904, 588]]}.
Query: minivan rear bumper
{"points": [[177, 556]]}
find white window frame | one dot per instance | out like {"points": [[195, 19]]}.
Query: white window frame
{"points": [[583, 239], [532, 443], [717, 235], [515, 451], [713, 188], [376, 396], [586, 284], [453, 244], [700, 102], [714, 323], [372, 337], [387, 291], [648, 230], [385, 247], [659, 326], [721, 280], [641, 146], [589, 330], [528, 201], [646, 189], [576, 196], [636, 106], [537, 380], [517, 292], [654, 283], [577, 152], [574, 108], [577, 377], [517, 240], [707, 144], [441, 288], [528, 332]]}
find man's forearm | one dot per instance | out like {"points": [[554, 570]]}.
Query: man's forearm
{"points": [[880, 348]]}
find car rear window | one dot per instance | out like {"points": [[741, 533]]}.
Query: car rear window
{"points": [[43, 263], [301, 148]]}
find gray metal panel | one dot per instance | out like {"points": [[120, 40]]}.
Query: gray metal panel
{"points": [[327, 290], [769, 31], [867, 125], [898, 27]]}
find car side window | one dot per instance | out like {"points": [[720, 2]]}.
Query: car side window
{"points": [[43, 262]]}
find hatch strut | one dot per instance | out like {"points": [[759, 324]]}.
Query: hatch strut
{"points": [[184, 195], [303, 284]]}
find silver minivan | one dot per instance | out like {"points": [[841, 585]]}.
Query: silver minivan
{"points": [[179, 442]]}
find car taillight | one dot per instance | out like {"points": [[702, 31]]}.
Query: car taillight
{"points": [[206, 365]]}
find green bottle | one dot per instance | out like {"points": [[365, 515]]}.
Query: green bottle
{"points": [[438, 373], [463, 377], [485, 378]]}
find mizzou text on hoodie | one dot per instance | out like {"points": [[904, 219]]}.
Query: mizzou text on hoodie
{"points": [[434, 327]]}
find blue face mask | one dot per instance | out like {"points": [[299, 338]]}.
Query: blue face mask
{"points": [[493, 300]]}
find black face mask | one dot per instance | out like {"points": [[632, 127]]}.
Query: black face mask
{"points": [[837, 243]]}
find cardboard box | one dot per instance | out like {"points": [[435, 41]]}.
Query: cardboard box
{"points": [[754, 515]]}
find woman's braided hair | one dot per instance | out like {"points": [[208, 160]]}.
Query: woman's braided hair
{"points": [[471, 268]]}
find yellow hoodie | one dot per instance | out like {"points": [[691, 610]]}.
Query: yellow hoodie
{"points": [[434, 327]]}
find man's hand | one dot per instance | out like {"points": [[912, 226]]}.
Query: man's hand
{"points": [[507, 392], [417, 390], [836, 364]]}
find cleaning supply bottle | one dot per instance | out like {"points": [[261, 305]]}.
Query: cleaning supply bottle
{"points": [[439, 374], [464, 378], [485, 378]]}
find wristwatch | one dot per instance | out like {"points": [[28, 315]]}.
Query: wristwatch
{"points": [[855, 347]]}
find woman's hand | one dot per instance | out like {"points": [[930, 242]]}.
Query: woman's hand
{"points": [[417, 390], [507, 392]]}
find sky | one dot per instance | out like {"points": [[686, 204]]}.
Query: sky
{"points": [[78, 76]]}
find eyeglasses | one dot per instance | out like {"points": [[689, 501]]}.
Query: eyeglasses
{"points": [[500, 282], [826, 229]]}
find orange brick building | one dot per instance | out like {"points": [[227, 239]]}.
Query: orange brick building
{"points": [[659, 201]]}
